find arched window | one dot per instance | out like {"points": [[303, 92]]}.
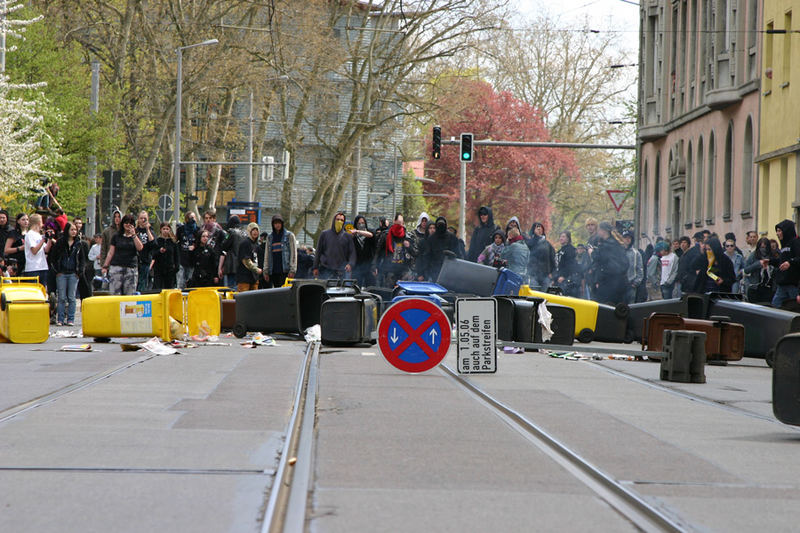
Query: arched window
{"points": [[657, 194], [687, 209], [747, 168], [644, 200], [698, 196], [727, 174], [711, 176]]}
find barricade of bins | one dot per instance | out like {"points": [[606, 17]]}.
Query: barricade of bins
{"points": [[24, 311], [169, 314]]}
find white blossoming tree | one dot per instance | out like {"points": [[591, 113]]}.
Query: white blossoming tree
{"points": [[26, 153]]}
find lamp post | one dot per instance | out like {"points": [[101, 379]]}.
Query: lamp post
{"points": [[178, 111]]}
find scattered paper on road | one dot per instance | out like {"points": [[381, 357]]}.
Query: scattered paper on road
{"points": [[65, 334], [155, 346], [76, 348]]}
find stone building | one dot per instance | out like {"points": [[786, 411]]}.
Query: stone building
{"points": [[699, 80]]}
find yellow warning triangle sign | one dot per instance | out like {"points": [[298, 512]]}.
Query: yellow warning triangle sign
{"points": [[618, 197]]}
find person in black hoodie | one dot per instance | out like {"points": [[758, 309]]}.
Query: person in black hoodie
{"points": [[542, 259], [787, 264], [483, 234], [336, 253], [610, 267], [567, 270], [687, 274], [439, 243], [364, 241], [714, 269]]}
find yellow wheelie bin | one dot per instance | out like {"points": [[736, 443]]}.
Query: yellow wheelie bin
{"points": [[169, 314], [24, 311], [593, 321]]}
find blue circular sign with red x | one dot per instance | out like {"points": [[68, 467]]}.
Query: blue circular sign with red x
{"points": [[414, 335]]}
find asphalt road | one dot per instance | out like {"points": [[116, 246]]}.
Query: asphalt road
{"points": [[190, 442]]}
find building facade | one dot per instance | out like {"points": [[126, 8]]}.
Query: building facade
{"points": [[779, 193], [699, 80]]}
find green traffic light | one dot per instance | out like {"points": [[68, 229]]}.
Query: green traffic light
{"points": [[465, 156]]}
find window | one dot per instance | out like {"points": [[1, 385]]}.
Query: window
{"points": [[698, 196], [747, 167], [687, 207], [643, 199], [650, 56], [727, 174], [657, 194], [787, 49], [752, 37], [711, 178], [768, 49]]}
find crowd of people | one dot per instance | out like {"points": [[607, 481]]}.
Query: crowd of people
{"points": [[130, 256]]}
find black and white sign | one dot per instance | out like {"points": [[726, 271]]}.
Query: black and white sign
{"points": [[476, 334]]}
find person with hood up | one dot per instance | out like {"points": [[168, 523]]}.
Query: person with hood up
{"points": [[609, 267], [714, 269], [280, 254], [108, 233], [491, 254], [417, 239], [436, 246], [247, 271], [516, 252], [787, 264], [542, 258], [513, 222], [483, 234], [567, 272], [230, 248], [760, 275], [364, 241], [393, 259], [687, 274], [336, 254], [186, 236]]}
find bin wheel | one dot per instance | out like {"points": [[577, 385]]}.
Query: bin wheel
{"points": [[102, 340], [621, 310], [585, 335], [2, 302], [770, 358], [240, 330]]}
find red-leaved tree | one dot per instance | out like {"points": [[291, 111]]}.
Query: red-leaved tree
{"points": [[512, 181]]}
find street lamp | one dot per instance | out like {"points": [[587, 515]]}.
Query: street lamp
{"points": [[178, 105]]}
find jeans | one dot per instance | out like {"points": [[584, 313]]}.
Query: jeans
{"points": [[230, 281], [783, 293], [540, 283], [144, 278], [67, 286], [184, 275]]}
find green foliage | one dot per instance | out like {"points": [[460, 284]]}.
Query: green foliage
{"points": [[65, 106], [413, 202]]}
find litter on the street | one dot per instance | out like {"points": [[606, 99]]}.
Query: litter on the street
{"points": [[155, 346], [76, 348]]}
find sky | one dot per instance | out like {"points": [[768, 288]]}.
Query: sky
{"points": [[617, 15]]}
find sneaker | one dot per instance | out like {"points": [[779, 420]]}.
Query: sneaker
{"points": [[59, 324], [70, 324]]}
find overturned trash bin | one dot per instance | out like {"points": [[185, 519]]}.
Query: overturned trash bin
{"points": [[169, 314], [520, 320], [786, 380], [280, 310], [24, 311], [685, 356], [349, 320]]}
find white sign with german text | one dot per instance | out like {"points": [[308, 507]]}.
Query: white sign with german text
{"points": [[476, 334]]}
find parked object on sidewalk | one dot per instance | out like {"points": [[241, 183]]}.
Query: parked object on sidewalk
{"points": [[685, 357], [24, 311], [724, 339]]}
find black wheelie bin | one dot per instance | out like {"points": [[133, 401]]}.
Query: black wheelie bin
{"points": [[466, 277], [349, 320], [786, 380], [763, 326], [280, 310]]}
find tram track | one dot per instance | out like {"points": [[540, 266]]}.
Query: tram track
{"points": [[34, 403], [288, 498], [640, 513]]}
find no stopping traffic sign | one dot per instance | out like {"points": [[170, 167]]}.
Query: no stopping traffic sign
{"points": [[414, 335]]}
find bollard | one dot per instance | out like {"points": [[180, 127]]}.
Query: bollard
{"points": [[698, 365]]}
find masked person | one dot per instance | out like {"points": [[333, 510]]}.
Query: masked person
{"points": [[787, 263], [247, 272], [280, 254], [336, 253], [483, 234], [610, 267], [440, 243], [186, 236], [714, 269], [392, 261], [364, 241]]}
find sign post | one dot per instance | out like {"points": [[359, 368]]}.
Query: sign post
{"points": [[414, 335], [476, 335], [164, 206]]}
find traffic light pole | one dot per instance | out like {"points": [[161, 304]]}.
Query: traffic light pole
{"points": [[462, 204]]}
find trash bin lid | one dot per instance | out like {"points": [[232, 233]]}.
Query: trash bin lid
{"points": [[421, 287]]}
